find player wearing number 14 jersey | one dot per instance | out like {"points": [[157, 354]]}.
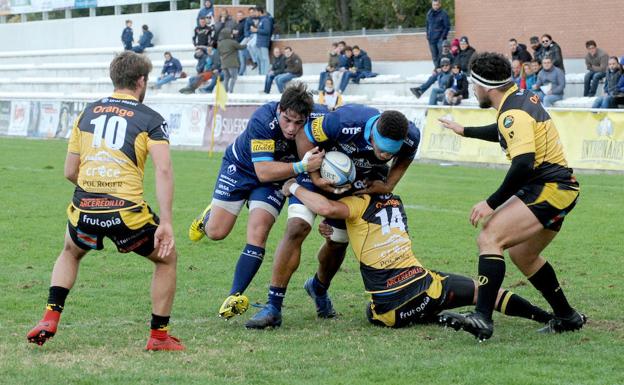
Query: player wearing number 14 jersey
{"points": [[106, 158]]}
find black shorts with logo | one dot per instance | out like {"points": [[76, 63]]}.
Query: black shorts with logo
{"points": [[130, 229], [550, 202], [447, 291]]}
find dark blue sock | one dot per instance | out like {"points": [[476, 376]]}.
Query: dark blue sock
{"points": [[276, 296], [248, 264], [318, 286]]}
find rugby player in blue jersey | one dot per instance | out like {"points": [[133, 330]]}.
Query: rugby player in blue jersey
{"points": [[252, 170], [372, 140]]}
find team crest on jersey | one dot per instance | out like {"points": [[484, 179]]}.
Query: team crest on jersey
{"points": [[262, 145], [231, 169], [508, 121], [317, 130]]}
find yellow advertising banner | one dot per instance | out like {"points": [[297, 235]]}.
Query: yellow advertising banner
{"points": [[590, 140]]}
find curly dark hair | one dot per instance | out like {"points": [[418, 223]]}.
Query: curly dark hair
{"points": [[393, 124], [298, 99], [490, 65], [126, 69]]}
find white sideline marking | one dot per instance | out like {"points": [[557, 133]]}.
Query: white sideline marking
{"points": [[433, 208]]}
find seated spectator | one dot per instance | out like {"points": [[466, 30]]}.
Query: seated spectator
{"points": [[294, 69], [127, 35], [455, 47], [332, 65], [145, 41], [172, 69], [529, 78], [553, 50], [464, 55], [445, 53], [550, 83], [205, 11], [519, 51], [278, 67], [441, 76], [345, 62], [342, 45], [614, 85], [538, 50], [329, 96], [362, 68], [213, 63], [596, 61], [203, 35], [206, 69], [457, 88], [516, 72], [228, 51]]}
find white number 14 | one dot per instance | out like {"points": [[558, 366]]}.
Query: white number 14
{"points": [[396, 220]]}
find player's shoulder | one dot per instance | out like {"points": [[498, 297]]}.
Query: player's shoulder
{"points": [[264, 118], [524, 102], [413, 135]]}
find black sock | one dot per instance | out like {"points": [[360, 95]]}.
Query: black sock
{"points": [[513, 305], [545, 280], [319, 287], [56, 298], [159, 322], [491, 275]]}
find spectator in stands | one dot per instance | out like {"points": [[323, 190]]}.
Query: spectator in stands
{"points": [[277, 68], [441, 77], [516, 72], [224, 21], [446, 53], [464, 55], [437, 27], [342, 45], [204, 68], [550, 83], [362, 68], [228, 51], [614, 85], [127, 36], [528, 76], [263, 39], [345, 63], [239, 36], [538, 50], [553, 50], [145, 41], [519, 51], [205, 11], [596, 61], [202, 34], [251, 36], [332, 65], [172, 69], [294, 69], [329, 96], [457, 88], [455, 47], [213, 63]]}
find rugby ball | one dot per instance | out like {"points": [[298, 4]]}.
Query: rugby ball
{"points": [[338, 168]]}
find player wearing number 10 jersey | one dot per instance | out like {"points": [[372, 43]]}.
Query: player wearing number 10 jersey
{"points": [[106, 158]]}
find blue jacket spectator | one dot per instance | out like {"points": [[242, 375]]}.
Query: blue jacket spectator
{"points": [[442, 77], [145, 41], [362, 68], [172, 69], [127, 36], [614, 85], [263, 40], [550, 83], [205, 11], [438, 27], [457, 86]]}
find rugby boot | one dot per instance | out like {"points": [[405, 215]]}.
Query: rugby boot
{"points": [[474, 323], [45, 329], [268, 317], [324, 307], [573, 322], [196, 229], [234, 304], [162, 341]]}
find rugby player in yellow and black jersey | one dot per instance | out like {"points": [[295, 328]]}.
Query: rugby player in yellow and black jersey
{"points": [[403, 292], [525, 213], [106, 158]]}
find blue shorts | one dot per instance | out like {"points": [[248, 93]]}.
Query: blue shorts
{"points": [[235, 186]]}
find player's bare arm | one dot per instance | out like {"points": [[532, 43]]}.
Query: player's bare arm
{"points": [[275, 171], [163, 238], [72, 167], [317, 203]]}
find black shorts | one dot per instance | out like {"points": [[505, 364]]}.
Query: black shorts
{"points": [[447, 291], [550, 202], [130, 229]]}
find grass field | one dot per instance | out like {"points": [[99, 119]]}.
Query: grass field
{"points": [[105, 325]]}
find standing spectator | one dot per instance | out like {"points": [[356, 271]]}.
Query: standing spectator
{"points": [[202, 34], [362, 68], [596, 61], [550, 83], [516, 72], [205, 11], [332, 65], [538, 50], [228, 51], [251, 36], [553, 50], [519, 51], [457, 87], [127, 36], [294, 69], [329, 96], [239, 36], [172, 69], [438, 27], [278, 68], [440, 76], [464, 55], [145, 41], [614, 84], [263, 39], [224, 21]]}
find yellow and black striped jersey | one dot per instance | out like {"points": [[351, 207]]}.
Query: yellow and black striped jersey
{"points": [[524, 126], [113, 137]]}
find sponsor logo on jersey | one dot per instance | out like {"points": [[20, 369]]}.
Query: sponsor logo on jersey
{"points": [[416, 310], [104, 223], [351, 130], [103, 172], [262, 145], [317, 130], [114, 110], [348, 148], [105, 157], [508, 121], [101, 203], [404, 276]]}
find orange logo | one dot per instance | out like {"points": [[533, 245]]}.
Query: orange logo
{"points": [[534, 99]]}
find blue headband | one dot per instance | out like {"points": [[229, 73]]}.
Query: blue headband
{"points": [[391, 146]]}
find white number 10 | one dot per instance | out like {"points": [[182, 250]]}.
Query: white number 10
{"points": [[114, 132], [396, 220]]}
